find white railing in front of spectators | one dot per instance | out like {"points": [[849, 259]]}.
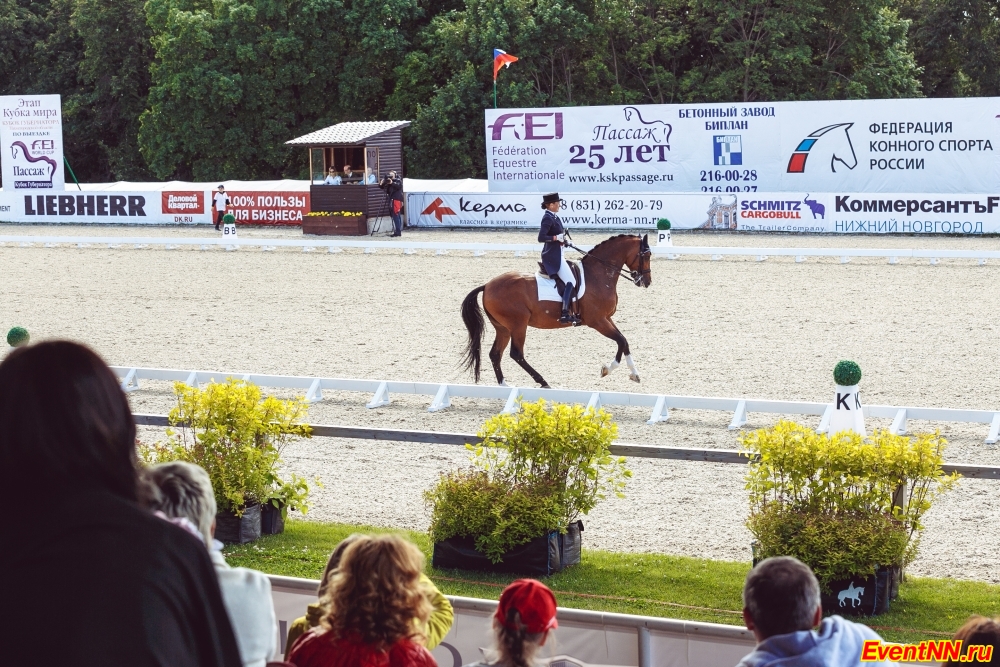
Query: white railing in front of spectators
{"points": [[592, 636], [371, 245], [661, 404]]}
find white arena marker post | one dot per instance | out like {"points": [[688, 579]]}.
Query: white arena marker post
{"points": [[898, 426], [994, 434], [381, 396], [660, 412], [130, 382], [511, 406], [740, 416], [229, 227], [595, 401], [441, 400], [315, 392], [848, 414]]}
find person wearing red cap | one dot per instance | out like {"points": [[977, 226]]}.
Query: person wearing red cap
{"points": [[522, 623]]}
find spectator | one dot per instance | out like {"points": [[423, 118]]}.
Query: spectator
{"points": [[982, 631], [220, 202], [523, 620], [349, 176], [369, 178], [91, 578], [332, 177], [437, 627], [781, 606], [371, 601], [183, 491]]}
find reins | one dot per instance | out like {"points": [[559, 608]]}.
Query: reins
{"points": [[634, 276]]}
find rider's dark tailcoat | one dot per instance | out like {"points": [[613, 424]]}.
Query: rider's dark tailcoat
{"points": [[551, 252]]}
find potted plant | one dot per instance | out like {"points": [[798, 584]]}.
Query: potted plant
{"points": [[284, 496], [847, 506], [236, 435], [518, 507]]}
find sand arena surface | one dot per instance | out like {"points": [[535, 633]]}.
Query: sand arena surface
{"points": [[923, 335]]}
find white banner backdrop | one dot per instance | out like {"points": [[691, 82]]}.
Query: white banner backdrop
{"points": [[111, 207], [751, 211], [31, 142], [911, 145], [590, 639]]}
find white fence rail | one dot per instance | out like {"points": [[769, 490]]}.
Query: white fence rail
{"points": [[371, 245], [660, 404]]}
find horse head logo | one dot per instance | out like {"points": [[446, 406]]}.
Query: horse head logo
{"points": [[30, 158], [633, 112], [835, 145]]}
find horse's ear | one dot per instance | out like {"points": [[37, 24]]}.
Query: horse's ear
{"points": [[645, 240]]}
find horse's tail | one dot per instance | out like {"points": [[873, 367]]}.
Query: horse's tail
{"points": [[472, 315]]}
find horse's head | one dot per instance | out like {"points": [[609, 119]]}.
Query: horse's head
{"points": [[638, 261]]}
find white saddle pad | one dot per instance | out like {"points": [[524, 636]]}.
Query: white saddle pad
{"points": [[547, 288]]}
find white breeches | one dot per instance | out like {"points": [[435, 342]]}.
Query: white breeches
{"points": [[564, 273]]}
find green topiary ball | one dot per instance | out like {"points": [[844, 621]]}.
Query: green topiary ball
{"points": [[229, 219], [663, 223], [17, 337], [847, 373]]}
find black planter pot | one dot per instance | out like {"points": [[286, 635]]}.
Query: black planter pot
{"points": [[231, 529], [540, 557], [271, 521], [863, 596]]}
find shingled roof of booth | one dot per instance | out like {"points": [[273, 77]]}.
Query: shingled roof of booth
{"points": [[347, 133]]}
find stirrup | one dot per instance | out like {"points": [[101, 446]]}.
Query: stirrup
{"points": [[569, 318]]}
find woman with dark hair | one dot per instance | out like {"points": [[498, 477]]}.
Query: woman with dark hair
{"points": [[371, 601], [143, 591], [979, 631], [523, 620]]}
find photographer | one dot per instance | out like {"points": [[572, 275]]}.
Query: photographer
{"points": [[394, 191]]}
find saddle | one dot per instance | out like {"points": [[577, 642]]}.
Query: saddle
{"points": [[574, 268]]}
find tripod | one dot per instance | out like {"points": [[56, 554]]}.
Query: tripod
{"points": [[381, 214]]}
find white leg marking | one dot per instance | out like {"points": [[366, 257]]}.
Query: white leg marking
{"points": [[634, 375], [607, 368]]}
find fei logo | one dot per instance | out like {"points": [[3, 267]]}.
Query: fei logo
{"points": [[438, 210], [835, 147], [728, 149], [535, 126]]}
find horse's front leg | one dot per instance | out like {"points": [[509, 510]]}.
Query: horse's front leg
{"points": [[608, 328]]}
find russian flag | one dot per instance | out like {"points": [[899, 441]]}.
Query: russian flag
{"points": [[501, 59]]}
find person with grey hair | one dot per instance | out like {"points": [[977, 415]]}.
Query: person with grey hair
{"points": [[182, 492], [781, 606]]}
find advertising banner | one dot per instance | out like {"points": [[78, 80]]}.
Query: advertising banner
{"points": [[31, 142], [104, 206], [744, 211], [269, 208], [909, 145]]}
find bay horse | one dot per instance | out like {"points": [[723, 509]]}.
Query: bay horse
{"points": [[511, 302]]}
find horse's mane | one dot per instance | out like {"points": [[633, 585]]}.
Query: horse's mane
{"points": [[605, 241]]}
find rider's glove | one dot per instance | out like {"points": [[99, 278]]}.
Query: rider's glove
{"points": [[561, 237]]}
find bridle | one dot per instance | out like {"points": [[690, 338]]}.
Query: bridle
{"points": [[635, 276]]}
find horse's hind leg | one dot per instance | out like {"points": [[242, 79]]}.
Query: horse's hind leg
{"points": [[517, 354], [499, 345]]}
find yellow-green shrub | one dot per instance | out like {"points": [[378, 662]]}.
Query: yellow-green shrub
{"points": [[236, 435], [836, 502], [535, 471]]}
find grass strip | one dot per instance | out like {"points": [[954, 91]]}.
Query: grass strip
{"points": [[660, 585]]}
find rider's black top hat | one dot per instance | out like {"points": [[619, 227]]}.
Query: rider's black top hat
{"points": [[550, 198]]}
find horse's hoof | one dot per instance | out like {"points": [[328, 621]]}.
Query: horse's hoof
{"points": [[604, 371], [633, 378]]}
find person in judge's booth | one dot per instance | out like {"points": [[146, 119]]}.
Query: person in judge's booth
{"points": [[369, 178], [553, 235], [332, 177], [220, 202], [349, 176]]}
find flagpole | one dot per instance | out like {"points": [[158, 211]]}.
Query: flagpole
{"points": [[494, 93]]}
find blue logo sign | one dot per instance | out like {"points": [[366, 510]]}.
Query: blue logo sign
{"points": [[728, 149]]}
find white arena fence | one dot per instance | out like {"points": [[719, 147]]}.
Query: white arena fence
{"points": [[371, 245], [660, 404]]}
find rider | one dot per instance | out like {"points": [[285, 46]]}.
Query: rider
{"points": [[553, 235]]}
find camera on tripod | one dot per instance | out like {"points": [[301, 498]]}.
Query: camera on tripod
{"points": [[388, 180]]}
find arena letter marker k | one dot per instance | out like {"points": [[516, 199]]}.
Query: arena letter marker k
{"points": [[437, 210]]}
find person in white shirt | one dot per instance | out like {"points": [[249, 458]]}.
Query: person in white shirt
{"points": [[369, 178], [219, 202], [182, 492], [332, 177]]}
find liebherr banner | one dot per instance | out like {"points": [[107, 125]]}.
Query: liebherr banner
{"points": [[31, 142], [911, 145]]}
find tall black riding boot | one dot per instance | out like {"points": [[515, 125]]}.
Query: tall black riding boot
{"points": [[567, 317]]}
